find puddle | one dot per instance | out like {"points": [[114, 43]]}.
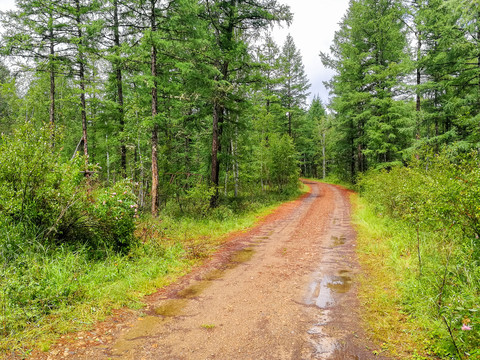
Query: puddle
{"points": [[193, 290], [340, 284], [339, 240], [214, 275], [322, 293], [243, 256], [172, 308]]}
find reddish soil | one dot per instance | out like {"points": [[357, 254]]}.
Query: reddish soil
{"points": [[283, 290]]}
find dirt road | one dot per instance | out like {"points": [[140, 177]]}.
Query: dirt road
{"points": [[285, 290]]}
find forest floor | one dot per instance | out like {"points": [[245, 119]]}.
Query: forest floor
{"points": [[286, 289]]}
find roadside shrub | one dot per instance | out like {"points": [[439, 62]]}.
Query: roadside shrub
{"points": [[436, 201], [45, 201], [282, 166], [56, 226], [198, 199]]}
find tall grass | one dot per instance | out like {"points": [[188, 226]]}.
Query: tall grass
{"points": [[419, 238], [48, 291]]}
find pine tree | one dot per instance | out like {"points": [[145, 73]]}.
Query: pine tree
{"points": [[35, 34], [312, 139], [268, 56], [450, 63], [293, 91], [231, 22], [369, 56]]}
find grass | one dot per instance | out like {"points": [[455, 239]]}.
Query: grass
{"points": [[62, 290], [334, 180], [379, 294], [401, 298], [208, 326]]}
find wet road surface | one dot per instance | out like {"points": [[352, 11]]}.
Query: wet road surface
{"points": [[287, 292]]}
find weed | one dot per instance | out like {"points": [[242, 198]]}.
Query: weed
{"points": [[208, 326]]}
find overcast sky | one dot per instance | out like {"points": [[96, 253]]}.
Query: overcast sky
{"points": [[6, 4], [313, 27]]}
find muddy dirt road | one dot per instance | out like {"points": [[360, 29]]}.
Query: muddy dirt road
{"points": [[285, 290]]}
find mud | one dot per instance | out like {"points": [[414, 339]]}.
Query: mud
{"points": [[285, 290]]}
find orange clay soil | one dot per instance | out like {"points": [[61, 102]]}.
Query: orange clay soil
{"points": [[284, 290]]}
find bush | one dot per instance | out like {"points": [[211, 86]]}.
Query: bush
{"points": [[55, 224], [436, 198], [281, 164], [48, 202]]}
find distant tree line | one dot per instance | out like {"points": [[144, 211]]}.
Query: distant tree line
{"points": [[173, 94], [407, 77]]}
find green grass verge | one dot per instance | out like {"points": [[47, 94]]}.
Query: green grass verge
{"points": [[334, 180], [401, 302], [56, 291], [379, 294]]}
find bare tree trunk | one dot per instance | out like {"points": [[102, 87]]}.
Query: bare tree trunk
{"points": [[119, 81], [141, 192], [324, 160], [52, 87], [81, 61], [108, 160], [225, 189], [155, 181], [234, 144], [154, 138], [217, 110], [478, 58], [419, 81], [289, 117], [236, 171]]}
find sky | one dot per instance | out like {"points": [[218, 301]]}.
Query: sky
{"points": [[6, 4], [313, 27]]}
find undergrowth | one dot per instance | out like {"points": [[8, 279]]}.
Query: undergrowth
{"points": [[384, 267], [47, 291], [418, 240]]}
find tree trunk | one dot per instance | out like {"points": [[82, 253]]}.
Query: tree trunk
{"points": [[81, 61], [52, 87], [478, 60], [217, 113], [154, 141], [419, 81], [324, 160], [235, 160], [119, 81], [155, 181], [289, 117]]}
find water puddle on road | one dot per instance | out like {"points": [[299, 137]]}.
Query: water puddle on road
{"points": [[323, 292], [175, 306], [242, 256], [339, 240], [171, 308]]}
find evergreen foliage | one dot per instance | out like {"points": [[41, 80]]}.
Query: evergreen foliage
{"points": [[370, 58]]}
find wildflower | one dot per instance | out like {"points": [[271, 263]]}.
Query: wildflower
{"points": [[120, 201], [114, 193], [132, 206], [104, 202], [465, 327]]}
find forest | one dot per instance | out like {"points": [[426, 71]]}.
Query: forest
{"points": [[134, 129], [405, 128]]}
